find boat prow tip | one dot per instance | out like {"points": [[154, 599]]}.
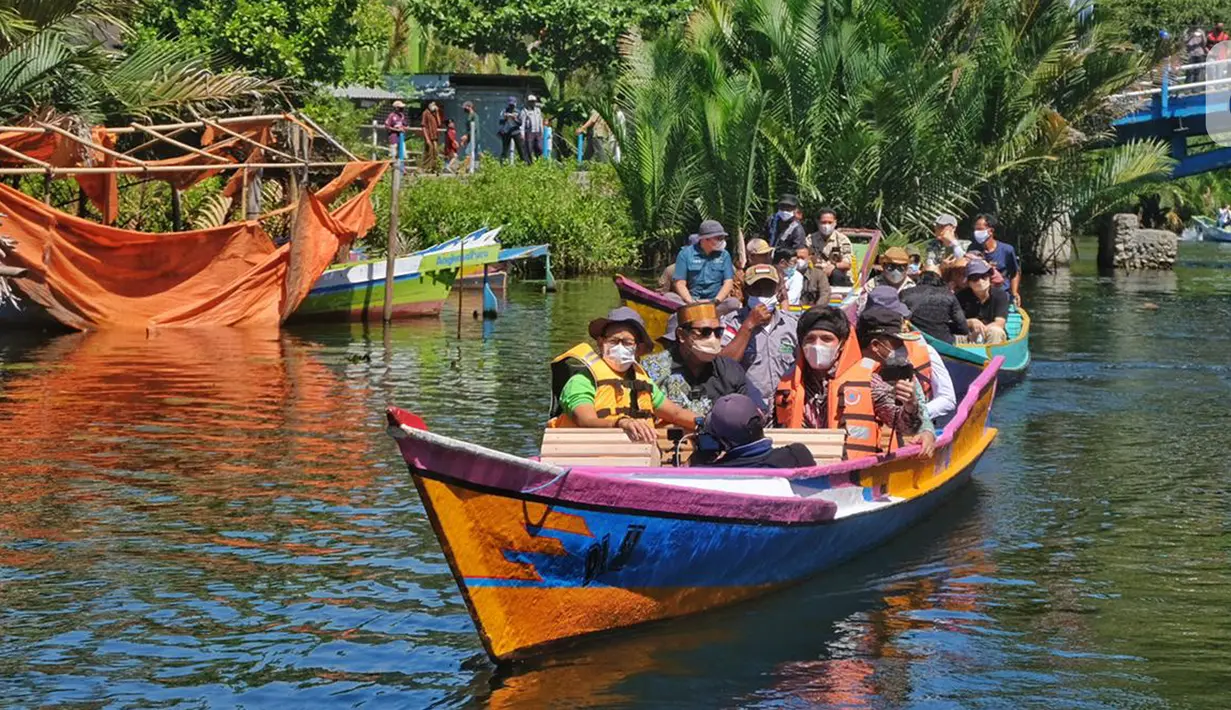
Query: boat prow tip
{"points": [[398, 417]]}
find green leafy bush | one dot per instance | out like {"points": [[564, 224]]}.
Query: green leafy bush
{"points": [[586, 221]]}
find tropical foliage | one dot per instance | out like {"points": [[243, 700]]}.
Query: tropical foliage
{"points": [[300, 40], [584, 220], [54, 60], [557, 36], [888, 110]]}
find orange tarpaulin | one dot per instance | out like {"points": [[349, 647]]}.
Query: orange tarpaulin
{"points": [[93, 276]]}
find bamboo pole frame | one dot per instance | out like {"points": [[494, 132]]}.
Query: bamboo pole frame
{"points": [[183, 146], [268, 149], [91, 144], [332, 141], [120, 170]]}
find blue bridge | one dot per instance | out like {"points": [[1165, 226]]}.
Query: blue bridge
{"points": [[1182, 109]]}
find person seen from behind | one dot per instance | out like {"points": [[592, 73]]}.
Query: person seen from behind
{"points": [[986, 307], [997, 253], [509, 131], [761, 335], [691, 370], [605, 388], [934, 309], [703, 268], [733, 436]]}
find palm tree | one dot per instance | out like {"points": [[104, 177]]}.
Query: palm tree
{"points": [[61, 57], [894, 110]]}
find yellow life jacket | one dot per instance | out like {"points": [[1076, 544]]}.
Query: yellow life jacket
{"points": [[614, 392]]}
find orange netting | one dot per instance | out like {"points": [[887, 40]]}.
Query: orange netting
{"points": [[89, 275]]}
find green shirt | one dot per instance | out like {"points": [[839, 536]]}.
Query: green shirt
{"points": [[580, 389]]}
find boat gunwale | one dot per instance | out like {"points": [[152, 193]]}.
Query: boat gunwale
{"points": [[600, 485]]}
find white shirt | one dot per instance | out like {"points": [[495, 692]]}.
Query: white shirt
{"points": [[794, 287], [944, 399]]}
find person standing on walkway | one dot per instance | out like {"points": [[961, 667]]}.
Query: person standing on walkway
{"points": [[531, 119], [469, 138], [430, 124], [510, 132], [1194, 53], [395, 126], [835, 248]]}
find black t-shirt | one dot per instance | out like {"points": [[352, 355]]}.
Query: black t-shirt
{"points": [[996, 306], [724, 376]]}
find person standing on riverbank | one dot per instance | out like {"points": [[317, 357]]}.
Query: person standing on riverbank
{"points": [[395, 126], [998, 254], [430, 125], [510, 132], [703, 268], [531, 119]]}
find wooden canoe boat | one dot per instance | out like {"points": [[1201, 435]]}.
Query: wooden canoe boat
{"points": [[966, 361], [655, 308], [498, 273], [355, 291], [1210, 231], [548, 552]]}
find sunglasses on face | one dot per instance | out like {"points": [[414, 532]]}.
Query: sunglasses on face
{"points": [[706, 332], [979, 277]]}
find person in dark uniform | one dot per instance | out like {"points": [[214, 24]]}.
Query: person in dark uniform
{"points": [[733, 436]]}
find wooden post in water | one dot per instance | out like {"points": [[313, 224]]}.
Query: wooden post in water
{"points": [[47, 187], [461, 284], [177, 211], [391, 244]]}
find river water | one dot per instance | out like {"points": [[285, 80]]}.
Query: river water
{"points": [[212, 520]]}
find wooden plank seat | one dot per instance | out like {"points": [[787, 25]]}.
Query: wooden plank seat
{"points": [[595, 447], [825, 444]]}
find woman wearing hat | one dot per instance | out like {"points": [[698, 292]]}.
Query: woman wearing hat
{"points": [[605, 388], [395, 126]]}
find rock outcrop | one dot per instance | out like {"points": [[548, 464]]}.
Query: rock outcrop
{"points": [[1125, 245]]}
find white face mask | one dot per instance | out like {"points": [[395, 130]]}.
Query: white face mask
{"points": [[620, 357], [708, 349], [720, 245], [894, 276], [828, 229], [784, 215], [820, 357], [981, 235], [801, 265], [770, 302]]}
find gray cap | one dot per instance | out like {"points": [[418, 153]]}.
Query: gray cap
{"points": [[945, 220], [711, 228], [975, 267]]}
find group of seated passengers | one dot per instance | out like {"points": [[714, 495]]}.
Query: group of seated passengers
{"points": [[713, 372]]}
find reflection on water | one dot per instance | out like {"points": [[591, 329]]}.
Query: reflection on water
{"points": [[218, 519]]}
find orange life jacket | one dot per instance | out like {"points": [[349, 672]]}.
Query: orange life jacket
{"points": [[849, 402], [613, 397]]}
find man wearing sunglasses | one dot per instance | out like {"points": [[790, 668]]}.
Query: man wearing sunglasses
{"points": [[691, 371], [986, 308]]}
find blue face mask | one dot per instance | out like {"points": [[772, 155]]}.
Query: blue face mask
{"points": [[770, 302]]}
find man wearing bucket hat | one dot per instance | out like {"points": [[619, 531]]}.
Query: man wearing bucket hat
{"points": [[605, 388], [783, 230], [894, 263], [703, 268], [986, 308], [761, 335], [690, 370]]}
